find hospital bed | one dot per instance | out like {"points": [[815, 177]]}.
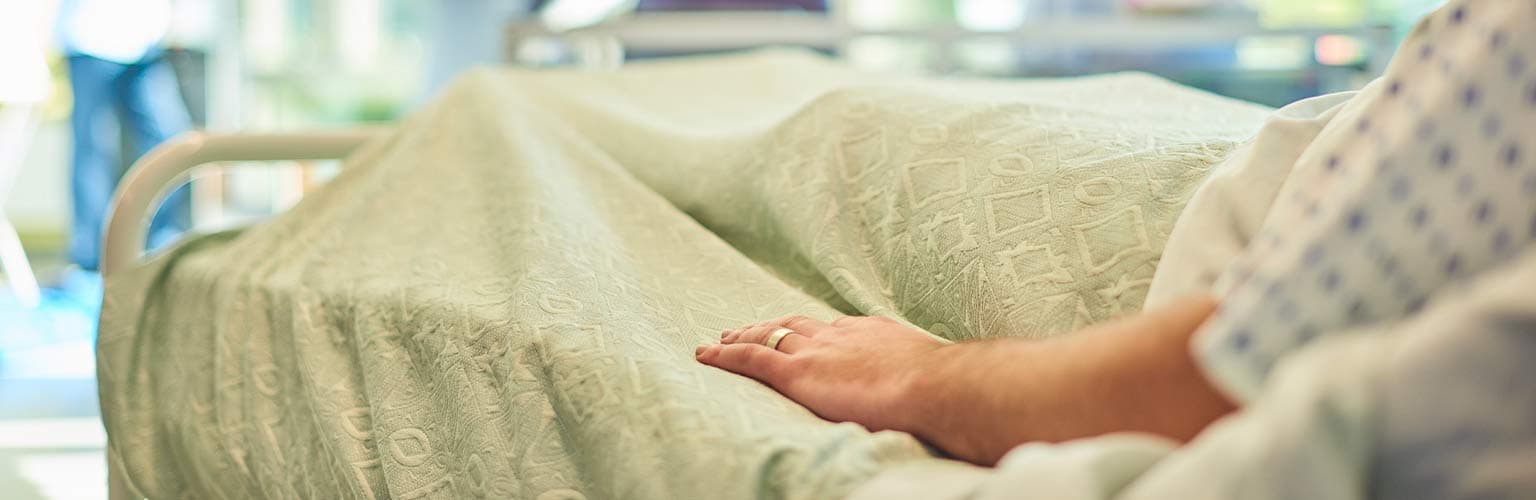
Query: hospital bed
{"points": [[153, 176], [498, 296]]}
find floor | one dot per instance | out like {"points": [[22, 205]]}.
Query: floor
{"points": [[51, 440]]}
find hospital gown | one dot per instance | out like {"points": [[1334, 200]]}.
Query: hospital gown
{"points": [[1379, 322]]}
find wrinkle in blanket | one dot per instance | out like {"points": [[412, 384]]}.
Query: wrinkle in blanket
{"points": [[502, 298]]}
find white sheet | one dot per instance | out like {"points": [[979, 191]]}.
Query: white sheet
{"points": [[1215, 227], [1229, 208], [1409, 403]]}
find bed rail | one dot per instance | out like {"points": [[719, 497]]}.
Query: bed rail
{"points": [[150, 179]]}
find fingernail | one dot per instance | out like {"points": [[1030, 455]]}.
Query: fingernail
{"points": [[723, 333], [699, 351]]}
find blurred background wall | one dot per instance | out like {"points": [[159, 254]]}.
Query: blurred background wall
{"points": [[293, 64]]}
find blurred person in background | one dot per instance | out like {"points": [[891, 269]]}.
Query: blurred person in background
{"points": [[118, 74]]}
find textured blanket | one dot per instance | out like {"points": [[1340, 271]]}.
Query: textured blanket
{"points": [[502, 298]]}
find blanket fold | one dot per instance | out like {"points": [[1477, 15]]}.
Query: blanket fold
{"points": [[501, 299]]}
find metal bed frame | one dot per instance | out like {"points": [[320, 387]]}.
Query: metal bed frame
{"points": [[154, 176]]}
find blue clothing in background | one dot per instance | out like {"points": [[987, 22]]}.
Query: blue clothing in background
{"points": [[144, 95], [118, 74]]}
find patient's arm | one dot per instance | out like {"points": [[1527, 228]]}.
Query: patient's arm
{"points": [[977, 400]]}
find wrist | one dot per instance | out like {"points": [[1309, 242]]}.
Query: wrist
{"points": [[915, 402], [935, 401]]}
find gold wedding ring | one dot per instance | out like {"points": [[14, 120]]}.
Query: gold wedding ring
{"points": [[776, 337]]}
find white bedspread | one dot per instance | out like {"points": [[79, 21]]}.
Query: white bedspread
{"points": [[502, 299], [1220, 220]]}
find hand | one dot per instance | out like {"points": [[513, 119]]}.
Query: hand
{"points": [[977, 400], [856, 369]]}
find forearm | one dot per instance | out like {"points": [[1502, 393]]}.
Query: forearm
{"points": [[978, 400]]}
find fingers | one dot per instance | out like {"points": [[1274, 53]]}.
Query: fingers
{"points": [[752, 360], [802, 325], [730, 336], [809, 327], [735, 335], [804, 329], [760, 334], [793, 343]]}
